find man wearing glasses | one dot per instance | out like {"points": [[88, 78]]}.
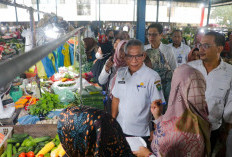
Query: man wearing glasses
{"points": [[218, 76], [154, 35], [161, 56], [136, 86]]}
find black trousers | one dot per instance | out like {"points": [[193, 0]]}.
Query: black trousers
{"points": [[214, 138]]}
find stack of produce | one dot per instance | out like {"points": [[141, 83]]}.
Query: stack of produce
{"points": [[91, 96], [8, 48], [23, 145]]}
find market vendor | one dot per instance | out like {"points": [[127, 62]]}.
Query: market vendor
{"points": [[136, 86], [218, 76]]}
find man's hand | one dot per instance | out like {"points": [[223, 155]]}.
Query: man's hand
{"points": [[109, 64], [156, 108], [142, 152]]}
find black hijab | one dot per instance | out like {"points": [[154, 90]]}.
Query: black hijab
{"points": [[98, 66], [85, 131]]}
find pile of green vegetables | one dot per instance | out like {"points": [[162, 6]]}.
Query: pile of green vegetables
{"points": [[92, 96], [68, 76], [46, 103], [25, 145]]}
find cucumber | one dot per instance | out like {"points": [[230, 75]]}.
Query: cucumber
{"points": [[42, 139], [14, 150], [41, 144], [9, 150], [22, 149], [20, 135], [30, 148], [37, 149], [15, 140], [16, 155]]}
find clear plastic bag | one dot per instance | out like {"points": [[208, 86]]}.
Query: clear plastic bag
{"points": [[65, 95]]}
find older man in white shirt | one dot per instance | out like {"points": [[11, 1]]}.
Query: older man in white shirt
{"points": [[136, 86], [218, 76], [180, 50]]}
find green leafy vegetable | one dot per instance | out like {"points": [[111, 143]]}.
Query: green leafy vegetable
{"points": [[47, 103]]}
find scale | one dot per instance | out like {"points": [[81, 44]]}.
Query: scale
{"points": [[5, 111]]}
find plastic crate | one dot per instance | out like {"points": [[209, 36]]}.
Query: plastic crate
{"points": [[7, 132]]}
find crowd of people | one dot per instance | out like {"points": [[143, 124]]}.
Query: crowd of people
{"points": [[177, 98]]}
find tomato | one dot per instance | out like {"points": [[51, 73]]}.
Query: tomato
{"points": [[30, 154], [40, 155], [22, 155]]}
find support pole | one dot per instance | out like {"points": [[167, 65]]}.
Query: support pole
{"points": [[80, 64], [202, 16], [99, 22], [141, 9], [134, 14], [157, 11], [37, 1], [169, 14], [209, 8], [32, 27], [56, 7], [16, 14]]}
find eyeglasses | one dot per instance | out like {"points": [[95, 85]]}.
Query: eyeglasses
{"points": [[137, 57], [152, 34], [205, 46]]}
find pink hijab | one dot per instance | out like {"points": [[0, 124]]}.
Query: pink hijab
{"points": [[184, 130], [118, 61]]}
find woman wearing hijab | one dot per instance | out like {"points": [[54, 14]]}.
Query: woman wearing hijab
{"points": [[184, 130], [107, 76], [160, 65], [85, 131], [106, 52], [90, 48], [103, 53], [113, 64]]}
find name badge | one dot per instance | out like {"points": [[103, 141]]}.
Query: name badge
{"points": [[121, 82]]}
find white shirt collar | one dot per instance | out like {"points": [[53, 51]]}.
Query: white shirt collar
{"points": [[181, 45], [222, 65], [140, 71], [160, 47]]}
